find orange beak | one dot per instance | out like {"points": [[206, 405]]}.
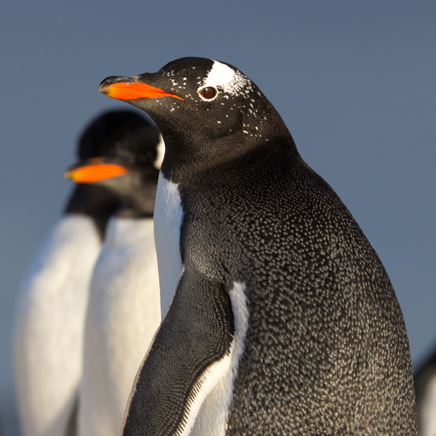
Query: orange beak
{"points": [[94, 171], [124, 90]]}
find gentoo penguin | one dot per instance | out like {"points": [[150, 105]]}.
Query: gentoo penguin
{"points": [[425, 389], [283, 319], [49, 324], [124, 304]]}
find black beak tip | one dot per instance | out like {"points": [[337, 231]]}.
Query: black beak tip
{"points": [[105, 83]]}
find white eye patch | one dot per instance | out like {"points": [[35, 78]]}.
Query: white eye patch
{"points": [[225, 79]]}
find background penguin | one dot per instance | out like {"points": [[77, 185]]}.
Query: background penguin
{"points": [[425, 389], [124, 305], [48, 337], [283, 315]]}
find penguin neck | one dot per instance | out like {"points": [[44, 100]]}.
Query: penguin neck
{"points": [[93, 201], [191, 150], [135, 208], [236, 157], [136, 191]]}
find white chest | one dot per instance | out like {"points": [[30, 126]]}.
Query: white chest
{"points": [[123, 315], [168, 216], [124, 287], [49, 325], [125, 302], [428, 410]]}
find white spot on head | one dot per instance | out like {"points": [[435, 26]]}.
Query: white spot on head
{"points": [[227, 80]]}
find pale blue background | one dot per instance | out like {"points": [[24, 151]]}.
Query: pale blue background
{"points": [[354, 81]]}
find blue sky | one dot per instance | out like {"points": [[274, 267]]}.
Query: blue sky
{"points": [[354, 82]]}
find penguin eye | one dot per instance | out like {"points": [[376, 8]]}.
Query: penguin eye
{"points": [[208, 93]]}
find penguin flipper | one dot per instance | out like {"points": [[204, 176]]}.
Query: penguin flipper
{"points": [[189, 355]]}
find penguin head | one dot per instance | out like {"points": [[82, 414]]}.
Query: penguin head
{"points": [[96, 139], [100, 135], [129, 169], [205, 109]]}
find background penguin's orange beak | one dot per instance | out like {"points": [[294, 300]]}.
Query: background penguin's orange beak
{"points": [[94, 171]]}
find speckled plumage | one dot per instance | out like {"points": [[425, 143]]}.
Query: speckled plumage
{"points": [[326, 351]]}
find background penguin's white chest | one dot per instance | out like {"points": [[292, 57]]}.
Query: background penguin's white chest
{"points": [[122, 318], [49, 326], [428, 408], [168, 217]]}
